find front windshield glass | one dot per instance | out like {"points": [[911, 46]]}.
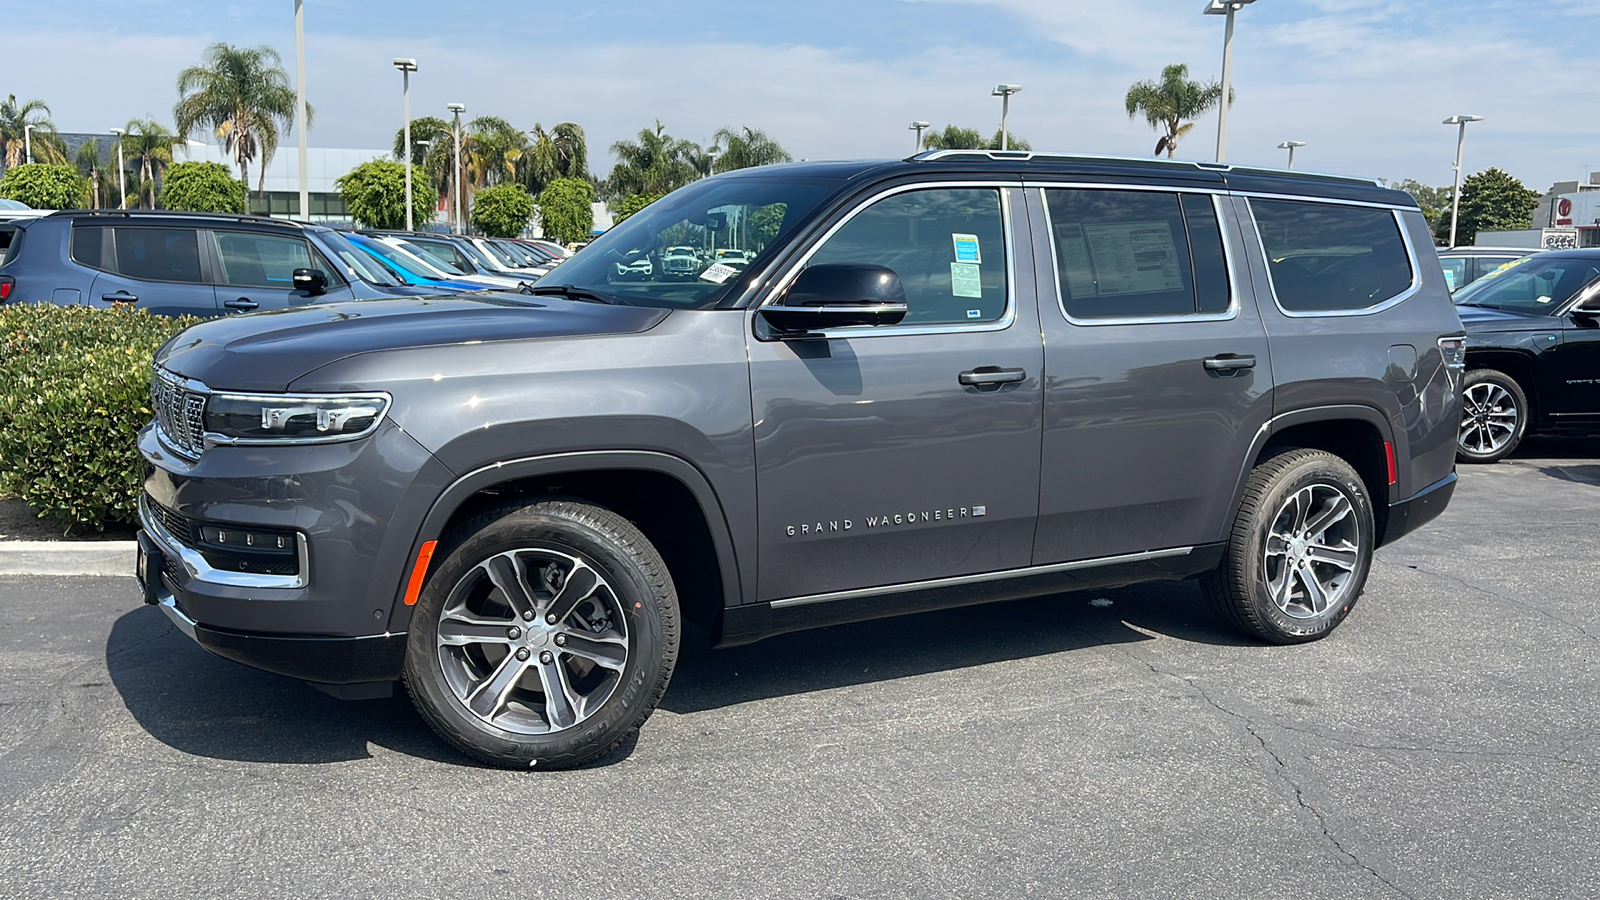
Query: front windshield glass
{"points": [[358, 264], [1531, 284], [402, 260], [688, 249]]}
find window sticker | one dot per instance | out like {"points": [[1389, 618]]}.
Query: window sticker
{"points": [[966, 280], [1450, 280], [1075, 264], [718, 273], [1134, 258], [967, 249]]}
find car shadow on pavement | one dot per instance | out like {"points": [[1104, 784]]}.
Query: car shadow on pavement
{"points": [[201, 704], [1539, 450], [945, 640]]}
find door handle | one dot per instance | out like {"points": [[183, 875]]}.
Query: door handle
{"points": [[992, 375], [1229, 363], [243, 303], [119, 297]]}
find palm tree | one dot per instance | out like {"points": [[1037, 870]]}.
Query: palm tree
{"points": [[148, 142], [15, 119], [953, 137], [91, 163], [561, 152], [491, 149], [1168, 103], [243, 95], [656, 163], [746, 148]]}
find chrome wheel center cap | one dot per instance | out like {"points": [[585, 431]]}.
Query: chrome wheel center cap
{"points": [[538, 638]]}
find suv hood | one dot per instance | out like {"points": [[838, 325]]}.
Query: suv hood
{"points": [[1482, 319], [268, 351]]}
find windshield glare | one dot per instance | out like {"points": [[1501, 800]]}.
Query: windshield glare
{"points": [[686, 250], [357, 263], [1531, 285]]}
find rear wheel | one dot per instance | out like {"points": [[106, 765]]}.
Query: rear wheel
{"points": [[1494, 416], [1298, 555], [546, 638]]}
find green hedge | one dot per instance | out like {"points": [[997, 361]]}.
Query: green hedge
{"points": [[77, 393]]}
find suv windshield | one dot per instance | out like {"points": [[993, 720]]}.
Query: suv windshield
{"points": [[748, 214], [1531, 285], [357, 264]]}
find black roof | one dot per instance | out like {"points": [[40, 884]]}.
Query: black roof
{"points": [[170, 215]]}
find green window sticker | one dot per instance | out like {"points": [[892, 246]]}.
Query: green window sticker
{"points": [[966, 280]]}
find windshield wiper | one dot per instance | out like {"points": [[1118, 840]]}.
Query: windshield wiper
{"points": [[573, 293]]}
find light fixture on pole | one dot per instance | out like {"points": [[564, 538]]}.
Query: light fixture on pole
{"points": [[917, 127], [1225, 8], [1289, 146], [27, 142], [1004, 92], [1455, 193], [406, 67], [455, 177], [300, 106], [122, 175]]}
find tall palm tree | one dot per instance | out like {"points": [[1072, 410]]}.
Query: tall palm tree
{"points": [[243, 95], [102, 175], [151, 144], [561, 152], [656, 163], [491, 149], [14, 121], [746, 148], [1168, 103]]}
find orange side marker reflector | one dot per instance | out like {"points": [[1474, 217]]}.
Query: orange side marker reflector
{"points": [[425, 556], [1388, 450]]}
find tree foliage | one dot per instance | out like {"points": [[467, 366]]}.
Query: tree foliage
{"points": [[655, 164], [631, 204], [1168, 103], [954, 137], [1434, 201], [560, 153], [102, 175], [204, 187], [1491, 200], [565, 213], [746, 148], [243, 95], [148, 144], [504, 210], [14, 121], [375, 194], [44, 186]]}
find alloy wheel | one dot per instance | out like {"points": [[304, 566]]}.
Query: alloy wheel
{"points": [[1312, 551], [1489, 418]]}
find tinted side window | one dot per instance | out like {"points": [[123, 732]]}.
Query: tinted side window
{"points": [[1137, 254], [946, 244], [1327, 257], [158, 254], [89, 244], [261, 260], [445, 254]]}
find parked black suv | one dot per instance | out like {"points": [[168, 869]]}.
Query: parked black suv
{"points": [[1533, 352], [196, 264], [963, 377]]}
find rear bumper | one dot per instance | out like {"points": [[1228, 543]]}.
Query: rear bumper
{"points": [[1420, 509]]}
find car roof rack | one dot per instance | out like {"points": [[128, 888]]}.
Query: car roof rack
{"points": [[1192, 165], [176, 214]]}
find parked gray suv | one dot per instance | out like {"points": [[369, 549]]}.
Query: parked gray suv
{"points": [[963, 377]]}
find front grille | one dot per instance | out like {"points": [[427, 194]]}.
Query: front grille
{"points": [[180, 413], [181, 527]]}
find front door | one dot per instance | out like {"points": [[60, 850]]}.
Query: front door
{"points": [[876, 464], [256, 271]]}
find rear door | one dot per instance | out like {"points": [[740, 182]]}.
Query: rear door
{"points": [[1157, 375], [153, 267]]}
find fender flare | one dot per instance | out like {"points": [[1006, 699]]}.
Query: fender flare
{"points": [[1279, 423]]}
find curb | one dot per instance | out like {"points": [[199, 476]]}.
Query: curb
{"points": [[67, 557]]}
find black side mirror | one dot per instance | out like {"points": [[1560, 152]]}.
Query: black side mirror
{"points": [[314, 282], [836, 296]]}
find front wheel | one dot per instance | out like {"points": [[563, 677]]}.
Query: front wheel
{"points": [[1494, 416], [1298, 555], [546, 638]]}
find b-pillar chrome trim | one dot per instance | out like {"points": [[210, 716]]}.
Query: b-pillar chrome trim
{"points": [[959, 580]]}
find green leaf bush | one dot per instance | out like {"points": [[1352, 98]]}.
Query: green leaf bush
{"points": [[78, 393]]}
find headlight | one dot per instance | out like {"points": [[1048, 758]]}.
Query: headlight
{"points": [[292, 418]]}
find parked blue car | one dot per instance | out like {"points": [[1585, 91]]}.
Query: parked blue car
{"points": [[413, 271]]}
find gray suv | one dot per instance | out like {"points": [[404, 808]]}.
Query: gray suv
{"points": [[957, 378]]}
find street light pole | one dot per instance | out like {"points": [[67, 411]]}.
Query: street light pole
{"points": [[455, 178], [27, 142], [300, 105], [1225, 8], [122, 175], [406, 67], [917, 127], [1455, 193], [1289, 146], [1004, 92]]}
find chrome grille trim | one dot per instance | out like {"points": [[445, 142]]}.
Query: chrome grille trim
{"points": [[180, 412]]}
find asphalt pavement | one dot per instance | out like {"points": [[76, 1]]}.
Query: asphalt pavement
{"points": [[1441, 744]]}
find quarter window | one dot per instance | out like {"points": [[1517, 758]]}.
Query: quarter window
{"points": [[261, 260], [1137, 254], [946, 244], [158, 254], [1327, 257]]}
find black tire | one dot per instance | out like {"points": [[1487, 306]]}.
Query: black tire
{"points": [[620, 637], [1266, 592], [1494, 416]]}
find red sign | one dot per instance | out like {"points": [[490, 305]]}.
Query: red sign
{"points": [[1564, 211]]}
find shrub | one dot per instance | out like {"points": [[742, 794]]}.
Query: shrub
{"points": [[503, 210], [45, 187], [375, 194], [632, 204], [203, 187], [78, 392], [565, 213]]}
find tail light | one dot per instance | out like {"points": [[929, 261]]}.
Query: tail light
{"points": [[7, 283], [1454, 349]]}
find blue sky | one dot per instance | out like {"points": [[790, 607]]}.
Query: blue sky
{"points": [[1364, 82]]}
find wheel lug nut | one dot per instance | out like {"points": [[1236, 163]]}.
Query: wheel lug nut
{"points": [[523, 654], [513, 632], [561, 640], [547, 657], [551, 618], [527, 615]]}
